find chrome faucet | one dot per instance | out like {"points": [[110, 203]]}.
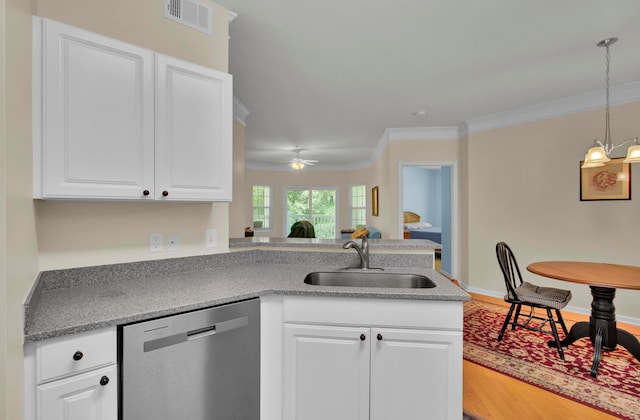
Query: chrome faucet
{"points": [[363, 251]]}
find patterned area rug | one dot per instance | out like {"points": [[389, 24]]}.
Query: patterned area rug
{"points": [[524, 355]]}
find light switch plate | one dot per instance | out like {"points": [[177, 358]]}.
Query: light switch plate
{"points": [[211, 238]]}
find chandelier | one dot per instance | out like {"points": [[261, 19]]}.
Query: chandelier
{"points": [[598, 155]]}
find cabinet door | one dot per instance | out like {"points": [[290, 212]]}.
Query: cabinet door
{"points": [[326, 372], [80, 397], [96, 137], [416, 374], [194, 132]]}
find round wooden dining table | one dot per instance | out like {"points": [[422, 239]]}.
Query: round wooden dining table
{"points": [[603, 279]]}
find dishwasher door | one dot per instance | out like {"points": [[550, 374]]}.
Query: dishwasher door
{"points": [[202, 365]]}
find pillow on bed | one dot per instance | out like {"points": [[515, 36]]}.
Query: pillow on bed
{"points": [[417, 225]]}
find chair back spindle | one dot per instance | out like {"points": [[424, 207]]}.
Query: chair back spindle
{"points": [[509, 267]]}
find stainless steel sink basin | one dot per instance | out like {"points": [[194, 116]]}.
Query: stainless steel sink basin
{"points": [[369, 279]]}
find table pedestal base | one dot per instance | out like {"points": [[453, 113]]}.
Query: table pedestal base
{"points": [[601, 328]]}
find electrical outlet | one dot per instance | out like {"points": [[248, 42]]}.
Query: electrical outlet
{"points": [[211, 238], [173, 242], [155, 242]]}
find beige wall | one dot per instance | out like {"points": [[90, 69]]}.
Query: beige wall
{"points": [[239, 218], [463, 208], [20, 249], [43, 235], [523, 188], [3, 218]]}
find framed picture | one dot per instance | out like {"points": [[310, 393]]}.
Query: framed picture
{"points": [[609, 182], [374, 201]]}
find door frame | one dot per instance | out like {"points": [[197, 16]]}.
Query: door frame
{"points": [[455, 215]]}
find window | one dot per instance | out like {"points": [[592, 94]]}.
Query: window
{"points": [[318, 206], [358, 201], [261, 207]]}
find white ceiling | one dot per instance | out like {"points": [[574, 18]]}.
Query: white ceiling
{"points": [[330, 76]]}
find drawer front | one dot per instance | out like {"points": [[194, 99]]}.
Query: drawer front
{"points": [[422, 314], [62, 356]]}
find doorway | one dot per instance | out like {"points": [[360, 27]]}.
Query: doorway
{"points": [[430, 190]]}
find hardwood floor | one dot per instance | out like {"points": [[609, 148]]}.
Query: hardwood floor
{"points": [[493, 396]]}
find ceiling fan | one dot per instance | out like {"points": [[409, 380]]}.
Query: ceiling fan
{"points": [[298, 163]]}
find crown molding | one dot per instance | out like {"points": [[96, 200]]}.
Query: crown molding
{"points": [[589, 101], [240, 112]]}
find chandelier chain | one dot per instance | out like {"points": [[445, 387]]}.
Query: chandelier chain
{"points": [[598, 155], [607, 135]]}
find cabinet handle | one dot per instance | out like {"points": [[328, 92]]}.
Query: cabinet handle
{"points": [[104, 380], [77, 355], [379, 337], [165, 193], [145, 192], [363, 337]]}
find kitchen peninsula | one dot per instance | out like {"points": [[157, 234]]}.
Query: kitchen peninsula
{"points": [[64, 304]]}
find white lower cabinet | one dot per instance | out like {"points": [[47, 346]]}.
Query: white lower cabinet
{"points": [[410, 373], [348, 367], [326, 372], [72, 377], [88, 396], [356, 373]]}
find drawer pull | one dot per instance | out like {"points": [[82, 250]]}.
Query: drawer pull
{"points": [[104, 380], [145, 192], [77, 355], [165, 193], [363, 337], [379, 337]]}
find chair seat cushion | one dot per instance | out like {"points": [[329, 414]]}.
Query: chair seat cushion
{"points": [[547, 296]]}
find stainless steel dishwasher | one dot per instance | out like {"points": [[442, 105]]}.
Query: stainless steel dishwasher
{"points": [[202, 365]]}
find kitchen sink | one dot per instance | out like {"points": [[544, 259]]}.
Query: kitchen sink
{"points": [[369, 279]]}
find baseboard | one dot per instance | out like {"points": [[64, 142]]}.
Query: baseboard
{"points": [[570, 308]]}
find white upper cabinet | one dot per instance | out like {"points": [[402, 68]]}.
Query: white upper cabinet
{"points": [[193, 131], [114, 121]]}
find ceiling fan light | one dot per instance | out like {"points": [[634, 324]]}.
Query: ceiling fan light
{"points": [[633, 154], [297, 165]]}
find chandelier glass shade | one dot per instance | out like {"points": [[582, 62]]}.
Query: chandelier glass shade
{"points": [[297, 165], [598, 154]]}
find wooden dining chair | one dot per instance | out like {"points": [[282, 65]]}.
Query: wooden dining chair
{"points": [[521, 293]]}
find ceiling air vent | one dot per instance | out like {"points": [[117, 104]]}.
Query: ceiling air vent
{"points": [[191, 13]]}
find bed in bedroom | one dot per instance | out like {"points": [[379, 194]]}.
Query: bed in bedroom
{"points": [[415, 229]]}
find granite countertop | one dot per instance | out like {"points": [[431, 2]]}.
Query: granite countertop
{"points": [[374, 244], [70, 301]]}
